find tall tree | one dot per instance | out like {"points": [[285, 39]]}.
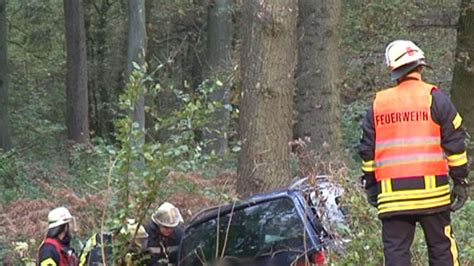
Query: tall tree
{"points": [[100, 93], [317, 94], [463, 77], [267, 64], [77, 115], [137, 51], [5, 137], [219, 64]]}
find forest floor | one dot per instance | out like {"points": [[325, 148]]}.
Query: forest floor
{"points": [[26, 219], [23, 222]]}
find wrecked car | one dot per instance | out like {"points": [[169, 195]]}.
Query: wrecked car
{"points": [[282, 227]]}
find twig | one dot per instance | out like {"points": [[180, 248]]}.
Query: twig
{"points": [[228, 229], [218, 229], [104, 209]]}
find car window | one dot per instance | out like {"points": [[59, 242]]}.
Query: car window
{"points": [[254, 231]]}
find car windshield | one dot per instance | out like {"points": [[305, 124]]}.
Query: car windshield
{"points": [[260, 230]]}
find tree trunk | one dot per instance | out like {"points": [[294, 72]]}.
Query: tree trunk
{"points": [[100, 93], [77, 119], [463, 77], [219, 65], [317, 79], [5, 135], [137, 51], [267, 64]]}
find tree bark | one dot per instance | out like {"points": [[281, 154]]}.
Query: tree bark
{"points": [[317, 97], [77, 119], [100, 93], [219, 65], [267, 63], [5, 134], [137, 40], [463, 76]]}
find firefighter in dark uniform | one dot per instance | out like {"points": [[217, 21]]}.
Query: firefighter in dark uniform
{"points": [[102, 244], [412, 138], [91, 254], [55, 249], [164, 235]]}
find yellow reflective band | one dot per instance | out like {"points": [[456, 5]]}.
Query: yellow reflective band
{"points": [[386, 185], [48, 262], [90, 244], [368, 166], [430, 181], [433, 181], [414, 191], [427, 182], [457, 121], [414, 204], [413, 195], [368, 169], [430, 100], [454, 249], [457, 159]]}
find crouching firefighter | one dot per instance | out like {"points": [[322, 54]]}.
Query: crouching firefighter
{"points": [[165, 234], [55, 250], [132, 238], [412, 137]]}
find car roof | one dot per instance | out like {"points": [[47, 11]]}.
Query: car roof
{"points": [[223, 209]]}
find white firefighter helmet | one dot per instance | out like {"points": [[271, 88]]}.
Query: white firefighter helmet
{"points": [[59, 216], [167, 215], [403, 56]]}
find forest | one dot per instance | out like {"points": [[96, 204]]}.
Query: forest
{"points": [[111, 107]]}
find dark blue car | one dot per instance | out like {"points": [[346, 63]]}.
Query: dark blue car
{"points": [[277, 228]]}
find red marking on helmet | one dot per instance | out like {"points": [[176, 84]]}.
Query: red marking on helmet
{"points": [[410, 51]]}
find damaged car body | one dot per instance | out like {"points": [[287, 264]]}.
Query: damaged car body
{"points": [[282, 227]]}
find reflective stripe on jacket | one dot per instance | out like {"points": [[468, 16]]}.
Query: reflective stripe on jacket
{"points": [[407, 145], [422, 193], [433, 192], [91, 254], [407, 140]]}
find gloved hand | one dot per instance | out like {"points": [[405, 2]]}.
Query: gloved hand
{"points": [[372, 189], [458, 195]]}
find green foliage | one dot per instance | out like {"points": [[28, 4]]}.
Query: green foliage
{"points": [[351, 123], [9, 170], [36, 61], [89, 166], [139, 170], [364, 226], [14, 181], [464, 232]]}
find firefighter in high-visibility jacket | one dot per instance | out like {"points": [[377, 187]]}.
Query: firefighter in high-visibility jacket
{"points": [[413, 141]]}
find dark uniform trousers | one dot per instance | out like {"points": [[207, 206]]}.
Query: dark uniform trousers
{"points": [[398, 233]]}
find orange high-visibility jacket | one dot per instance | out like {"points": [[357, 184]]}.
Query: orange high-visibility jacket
{"points": [[407, 140]]}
